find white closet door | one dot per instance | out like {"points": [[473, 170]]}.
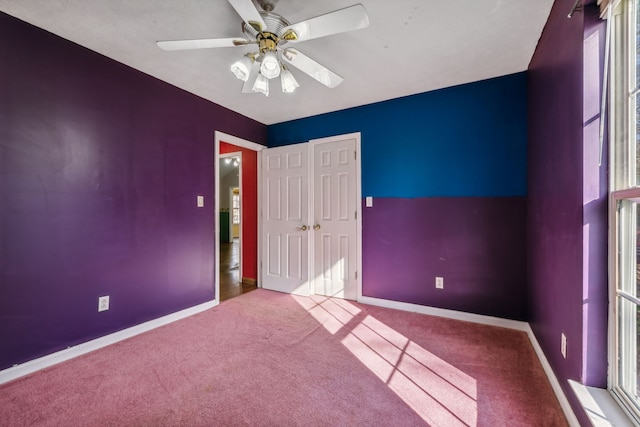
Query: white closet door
{"points": [[334, 217], [285, 204]]}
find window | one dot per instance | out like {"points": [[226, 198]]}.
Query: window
{"points": [[624, 358], [235, 206]]}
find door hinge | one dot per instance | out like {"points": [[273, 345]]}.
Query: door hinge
{"points": [[356, 275], [355, 215], [355, 154]]}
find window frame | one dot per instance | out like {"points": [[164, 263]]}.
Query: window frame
{"points": [[235, 210], [624, 193], [623, 271]]}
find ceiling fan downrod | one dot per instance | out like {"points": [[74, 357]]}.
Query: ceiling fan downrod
{"points": [[267, 6]]}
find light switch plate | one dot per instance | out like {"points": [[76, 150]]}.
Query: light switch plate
{"points": [[200, 200], [369, 201], [103, 303]]}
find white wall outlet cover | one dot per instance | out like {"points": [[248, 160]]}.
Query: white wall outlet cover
{"points": [[103, 303], [439, 283], [369, 201], [200, 201]]}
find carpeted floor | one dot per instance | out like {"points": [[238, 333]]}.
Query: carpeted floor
{"points": [[271, 359]]}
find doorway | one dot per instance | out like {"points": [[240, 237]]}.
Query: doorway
{"points": [[311, 218], [230, 214], [236, 236]]}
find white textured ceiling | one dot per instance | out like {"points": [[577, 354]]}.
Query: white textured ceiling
{"points": [[411, 46]]}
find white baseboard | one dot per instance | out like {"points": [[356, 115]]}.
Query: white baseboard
{"points": [[492, 321], [449, 314], [31, 366], [555, 384]]}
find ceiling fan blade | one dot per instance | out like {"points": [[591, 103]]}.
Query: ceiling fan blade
{"points": [[201, 43], [311, 67], [247, 87], [249, 13], [351, 18]]}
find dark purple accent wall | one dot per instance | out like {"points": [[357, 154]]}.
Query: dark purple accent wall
{"points": [[477, 244], [100, 166], [567, 217], [595, 206]]}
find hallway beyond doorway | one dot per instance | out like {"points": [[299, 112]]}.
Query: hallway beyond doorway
{"points": [[230, 284]]}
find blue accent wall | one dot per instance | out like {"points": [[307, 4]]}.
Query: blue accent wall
{"points": [[447, 170], [463, 141]]}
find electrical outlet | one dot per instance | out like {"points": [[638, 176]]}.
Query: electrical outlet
{"points": [[200, 201], [103, 303], [563, 345], [439, 282]]}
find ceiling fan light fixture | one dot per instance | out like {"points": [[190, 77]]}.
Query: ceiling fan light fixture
{"points": [[261, 85], [270, 32], [288, 82], [270, 67], [242, 68]]}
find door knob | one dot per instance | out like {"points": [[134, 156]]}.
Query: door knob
{"points": [[316, 227], [303, 228]]}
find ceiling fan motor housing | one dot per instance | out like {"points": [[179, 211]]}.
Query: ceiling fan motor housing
{"points": [[269, 37], [267, 41]]}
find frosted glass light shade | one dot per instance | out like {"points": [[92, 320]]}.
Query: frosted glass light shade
{"points": [[270, 66], [261, 85], [242, 68], [289, 83]]}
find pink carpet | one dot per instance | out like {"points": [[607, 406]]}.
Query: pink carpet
{"points": [[271, 359]]}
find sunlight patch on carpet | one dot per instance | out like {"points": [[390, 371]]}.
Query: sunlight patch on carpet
{"points": [[437, 391], [330, 314]]}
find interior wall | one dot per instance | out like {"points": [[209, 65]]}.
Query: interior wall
{"points": [[100, 166], [249, 203], [447, 173], [567, 206], [595, 192]]}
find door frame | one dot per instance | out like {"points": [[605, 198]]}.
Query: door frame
{"points": [[240, 142], [312, 144]]}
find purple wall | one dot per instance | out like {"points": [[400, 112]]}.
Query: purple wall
{"points": [[477, 244], [595, 208], [100, 166], [567, 217]]}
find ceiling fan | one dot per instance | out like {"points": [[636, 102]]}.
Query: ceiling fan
{"points": [[272, 34]]}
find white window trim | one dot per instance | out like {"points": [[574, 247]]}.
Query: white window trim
{"points": [[622, 183], [626, 402]]}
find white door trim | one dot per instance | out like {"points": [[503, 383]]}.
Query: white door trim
{"points": [[221, 136], [357, 137]]}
